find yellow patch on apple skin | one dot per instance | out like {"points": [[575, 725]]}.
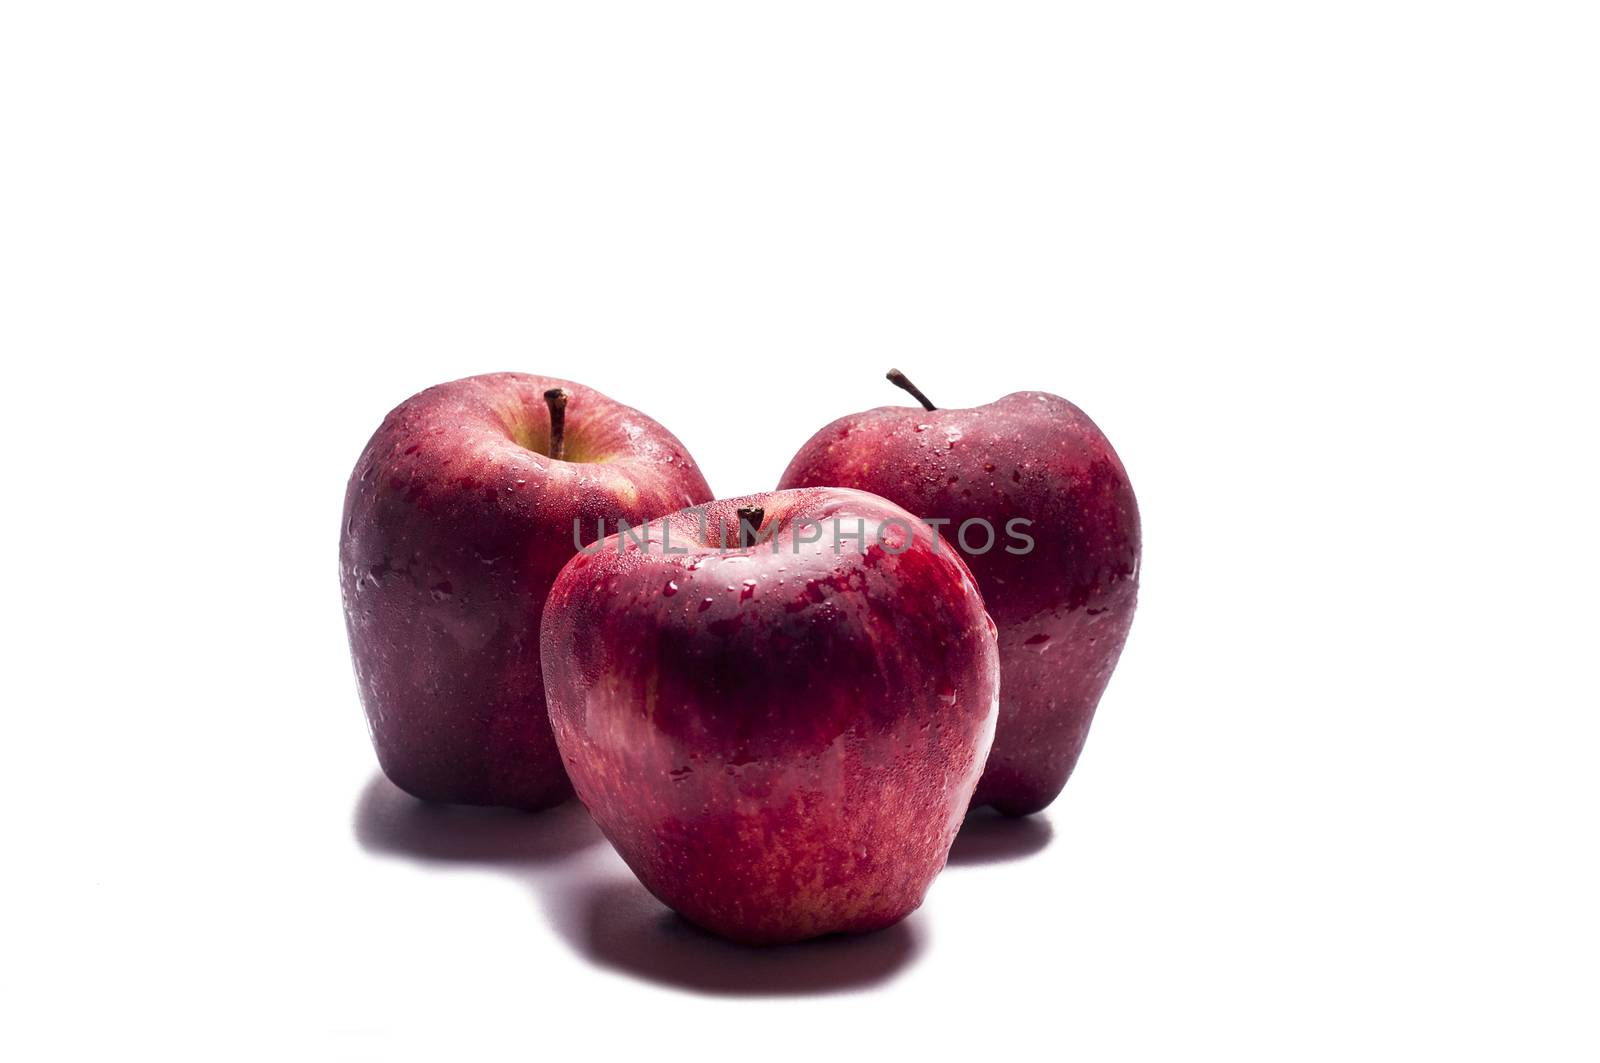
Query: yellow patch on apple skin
{"points": [[625, 489], [520, 426]]}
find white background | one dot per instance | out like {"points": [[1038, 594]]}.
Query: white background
{"points": [[1326, 274]]}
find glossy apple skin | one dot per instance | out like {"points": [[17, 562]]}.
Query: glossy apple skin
{"points": [[1063, 609], [455, 525], [780, 745]]}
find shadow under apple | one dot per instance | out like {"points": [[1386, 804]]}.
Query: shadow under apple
{"points": [[616, 923], [987, 837], [606, 916], [389, 821]]}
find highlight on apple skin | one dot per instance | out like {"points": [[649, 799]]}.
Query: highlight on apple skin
{"points": [[1064, 606], [456, 520], [780, 739]]}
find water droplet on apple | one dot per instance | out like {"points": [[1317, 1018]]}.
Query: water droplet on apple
{"points": [[670, 589]]}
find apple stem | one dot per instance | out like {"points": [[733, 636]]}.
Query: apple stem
{"points": [[750, 517], [556, 399], [901, 381]]}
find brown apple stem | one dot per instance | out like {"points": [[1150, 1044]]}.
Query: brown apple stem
{"points": [[750, 518], [556, 399], [901, 381]]}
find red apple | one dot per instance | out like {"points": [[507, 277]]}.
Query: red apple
{"points": [[457, 518], [780, 739], [1063, 603]]}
